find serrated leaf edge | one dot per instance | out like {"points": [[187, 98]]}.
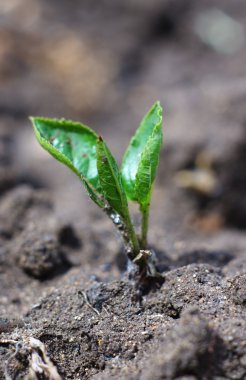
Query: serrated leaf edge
{"points": [[134, 138], [158, 126]]}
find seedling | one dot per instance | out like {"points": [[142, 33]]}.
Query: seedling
{"points": [[88, 156]]}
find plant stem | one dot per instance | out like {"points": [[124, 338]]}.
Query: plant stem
{"points": [[144, 226], [132, 236], [126, 230]]}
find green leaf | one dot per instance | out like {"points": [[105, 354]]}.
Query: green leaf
{"points": [[136, 148], [110, 179], [74, 145], [147, 167]]}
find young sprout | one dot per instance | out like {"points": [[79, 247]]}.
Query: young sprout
{"points": [[88, 156]]}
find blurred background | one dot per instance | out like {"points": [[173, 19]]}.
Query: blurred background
{"points": [[105, 63]]}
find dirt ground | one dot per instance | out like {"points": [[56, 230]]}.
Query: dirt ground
{"points": [[67, 307]]}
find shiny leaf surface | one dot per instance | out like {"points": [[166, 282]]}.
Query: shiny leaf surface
{"points": [[74, 145], [135, 153], [147, 167], [110, 179]]}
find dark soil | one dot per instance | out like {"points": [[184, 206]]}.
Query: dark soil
{"points": [[67, 307]]}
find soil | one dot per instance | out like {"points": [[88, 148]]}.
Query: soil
{"points": [[68, 309]]}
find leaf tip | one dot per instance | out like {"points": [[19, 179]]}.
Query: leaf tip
{"points": [[159, 110], [32, 119], [158, 106]]}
